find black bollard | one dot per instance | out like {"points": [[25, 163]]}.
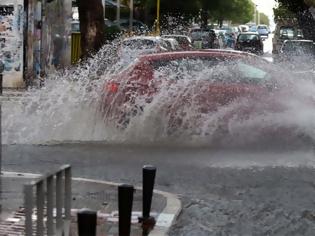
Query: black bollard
{"points": [[87, 222], [125, 199], [147, 189]]}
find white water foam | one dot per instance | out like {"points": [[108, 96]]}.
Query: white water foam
{"points": [[68, 109]]}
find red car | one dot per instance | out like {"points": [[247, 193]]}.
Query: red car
{"points": [[194, 82]]}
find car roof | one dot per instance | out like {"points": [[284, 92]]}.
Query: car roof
{"points": [[174, 35], [299, 40], [255, 33], [209, 52], [153, 38]]}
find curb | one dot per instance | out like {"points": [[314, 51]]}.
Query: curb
{"points": [[165, 219]]}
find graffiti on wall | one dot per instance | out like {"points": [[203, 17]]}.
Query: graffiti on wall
{"points": [[11, 41]]}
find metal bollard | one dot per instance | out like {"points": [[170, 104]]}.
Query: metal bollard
{"points": [[87, 222], [148, 186], [125, 199]]}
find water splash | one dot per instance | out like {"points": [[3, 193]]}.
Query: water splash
{"points": [[67, 109]]}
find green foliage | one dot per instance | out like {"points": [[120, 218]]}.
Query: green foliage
{"points": [[282, 12], [264, 20], [293, 5], [238, 11]]}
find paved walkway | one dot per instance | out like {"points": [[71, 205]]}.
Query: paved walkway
{"points": [[96, 195]]}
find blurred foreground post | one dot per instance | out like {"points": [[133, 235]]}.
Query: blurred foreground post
{"points": [[148, 175], [125, 199], [87, 222], [148, 186]]}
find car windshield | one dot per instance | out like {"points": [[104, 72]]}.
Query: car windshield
{"points": [[211, 69], [139, 44], [262, 27], [287, 32], [246, 37]]}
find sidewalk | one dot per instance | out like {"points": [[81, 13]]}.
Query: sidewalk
{"points": [[100, 196], [13, 94]]}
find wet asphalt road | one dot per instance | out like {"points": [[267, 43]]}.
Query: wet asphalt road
{"points": [[230, 192]]}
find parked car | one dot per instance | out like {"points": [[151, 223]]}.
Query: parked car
{"points": [[244, 28], [250, 42], [183, 41], [138, 45], [172, 44], [138, 26], [227, 76], [253, 28], [263, 30], [203, 38], [75, 25], [298, 47], [286, 29], [298, 55]]}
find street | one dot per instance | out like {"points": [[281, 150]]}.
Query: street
{"points": [[264, 189], [224, 192]]}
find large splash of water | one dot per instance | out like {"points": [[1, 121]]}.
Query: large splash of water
{"points": [[67, 109]]}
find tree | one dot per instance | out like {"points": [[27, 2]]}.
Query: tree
{"points": [[264, 20], [179, 11], [282, 12], [238, 11], [92, 26], [310, 3], [300, 8]]}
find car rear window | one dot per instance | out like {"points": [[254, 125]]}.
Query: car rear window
{"points": [[262, 27], [245, 37]]}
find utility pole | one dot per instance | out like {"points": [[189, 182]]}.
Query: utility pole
{"points": [[104, 7], [158, 17], [131, 16], [255, 14], [118, 12]]}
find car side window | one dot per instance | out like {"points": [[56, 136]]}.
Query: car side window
{"points": [[184, 68], [252, 74]]}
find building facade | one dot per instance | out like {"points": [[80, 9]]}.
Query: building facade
{"points": [[35, 39]]}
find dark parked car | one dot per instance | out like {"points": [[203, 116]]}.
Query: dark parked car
{"points": [[205, 38], [250, 42], [297, 48], [183, 41], [298, 55]]}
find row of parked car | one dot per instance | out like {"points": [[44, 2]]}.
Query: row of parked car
{"points": [[154, 44]]}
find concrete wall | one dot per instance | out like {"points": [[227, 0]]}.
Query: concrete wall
{"points": [[11, 42]]}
